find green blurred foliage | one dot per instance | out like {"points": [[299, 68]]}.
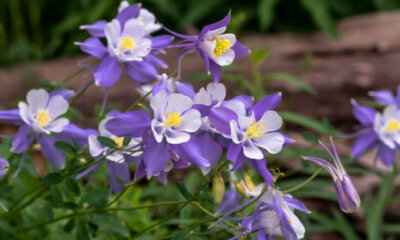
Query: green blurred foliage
{"points": [[40, 29]]}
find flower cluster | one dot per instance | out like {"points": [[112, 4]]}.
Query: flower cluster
{"points": [[379, 130]]}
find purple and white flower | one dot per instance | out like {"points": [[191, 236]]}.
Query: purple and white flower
{"points": [[377, 130], [173, 118], [348, 198], [4, 166], [216, 47]]}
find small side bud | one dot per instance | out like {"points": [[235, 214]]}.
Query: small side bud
{"points": [[218, 188]]}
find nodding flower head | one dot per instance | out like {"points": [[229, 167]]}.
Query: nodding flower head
{"points": [[173, 117], [42, 111], [4, 166], [348, 197]]}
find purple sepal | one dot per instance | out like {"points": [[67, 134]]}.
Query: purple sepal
{"points": [[127, 13], [50, 152], [365, 115], [67, 94], [96, 29], [348, 198], [155, 61], [384, 97], [71, 131], [224, 142], [108, 72], [222, 23], [386, 154], [296, 204], [269, 102], [284, 223], [235, 155], [22, 141], [161, 41], [140, 171], [248, 101], [203, 109], [185, 89], [11, 116], [120, 170], [216, 71], [364, 142], [86, 172], [220, 119], [130, 124], [205, 58], [155, 156], [229, 202], [162, 178], [93, 47], [261, 235], [142, 72], [192, 151], [4, 166], [211, 150], [261, 167], [240, 50]]}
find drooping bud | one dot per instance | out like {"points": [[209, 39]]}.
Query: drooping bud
{"points": [[218, 188], [4, 165]]}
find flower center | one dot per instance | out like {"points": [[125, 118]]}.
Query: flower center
{"points": [[222, 46], [392, 125], [255, 130], [140, 20], [127, 43], [173, 119], [43, 118], [118, 140]]}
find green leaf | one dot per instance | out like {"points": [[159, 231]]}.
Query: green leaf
{"points": [[108, 142], [110, 223], [266, 9], [76, 113], [82, 232], [376, 210], [186, 194], [73, 187], [258, 56], [52, 178], [310, 137], [293, 80], [344, 226], [321, 16], [307, 122], [69, 226], [67, 148], [95, 198], [126, 141], [181, 235], [56, 196]]}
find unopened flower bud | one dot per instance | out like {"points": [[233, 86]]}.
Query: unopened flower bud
{"points": [[218, 188]]}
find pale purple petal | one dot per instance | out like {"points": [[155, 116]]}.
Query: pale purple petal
{"points": [[21, 142], [363, 143], [386, 154], [57, 106], [220, 119], [365, 115], [128, 13], [93, 47], [120, 170], [240, 50], [12, 116], [108, 72], [155, 156], [37, 99], [129, 124], [161, 41], [51, 153], [269, 102], [57, 125], [96, 29]]}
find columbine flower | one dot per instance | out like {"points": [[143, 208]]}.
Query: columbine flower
{"points": [[173, 118], [128, 42], [273, 217], [4, 166], [386, 97], [39, 118], [216, 47], [381, 130], [348, 198]]}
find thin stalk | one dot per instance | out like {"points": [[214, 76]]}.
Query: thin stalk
{"points": [[303, 183], [72, 75], [73, 100], [138, 101]]}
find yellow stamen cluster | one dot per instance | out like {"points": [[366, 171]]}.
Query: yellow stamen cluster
{"points": [[255, 130], [244, 186], [118, 140], [392, 125], [277, 174], [127, 43], [173, 119], [222, 46], [43, 118]]}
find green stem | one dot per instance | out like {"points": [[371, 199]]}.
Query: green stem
{"points": [[303, 183], [186, 60], [138, 101], [74, 99], [72, 75]]}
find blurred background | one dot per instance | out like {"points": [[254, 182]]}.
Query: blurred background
{"points": [[43, 29], [318, 53]]}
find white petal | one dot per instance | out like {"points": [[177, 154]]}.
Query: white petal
{"points": [[133, 29], [271, 120], [95, 147], [236, 106], [217, 91], [102, 127], [158, 130], [116, 157], [245, 122], [191, 121], [37, 99], [57, 106], [158, 103], [143, 48], [211, 34], [235, 132], [112, 32], [24, 112], [231, 37], [225, 58], [175, 137], [202, 97], [57, 125], [272, 142], [178, 103], [251, 151], [123, 5], [390, 111]]}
